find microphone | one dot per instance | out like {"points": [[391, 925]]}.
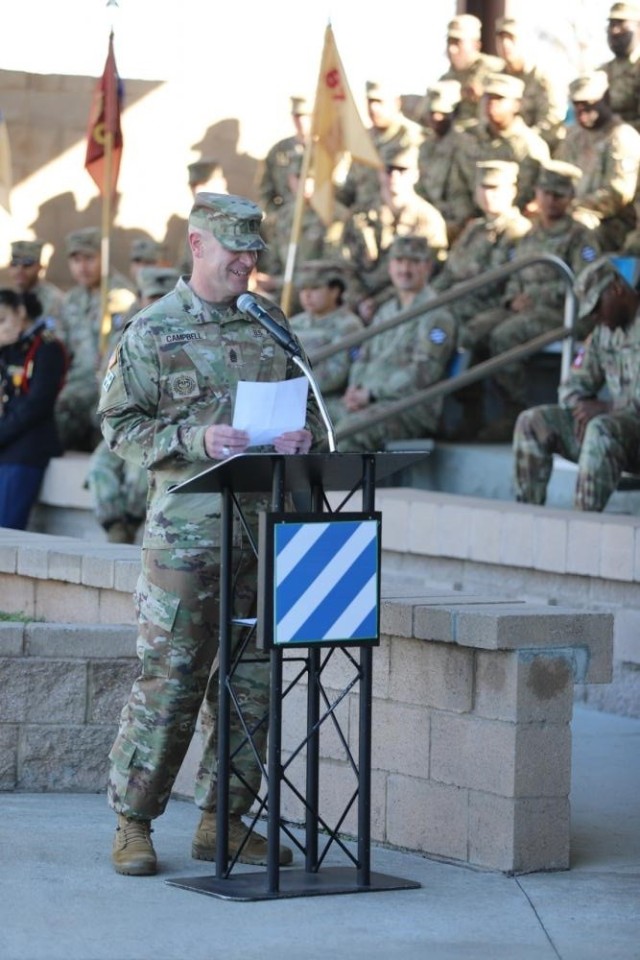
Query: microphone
{"points": [[248, 304]]}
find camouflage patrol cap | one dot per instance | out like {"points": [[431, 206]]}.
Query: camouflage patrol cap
{"points": [[403, 158], [201, 170], [443, 97], [300, 106], [410, 248], [503, 85], [320, 273], [496, 173], [594, 280], [375, 90], [233, 221], [465, 27], [86, 240], [508, 25], [589, 88], [145, 250], [27, 250], [556, 176], [625, 11], [156, 281]]}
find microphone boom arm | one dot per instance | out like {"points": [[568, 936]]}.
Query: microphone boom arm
{"points": [[331, 436]]}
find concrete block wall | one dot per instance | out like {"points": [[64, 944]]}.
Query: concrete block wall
{"points": [[66, 671], [63, 685], [471, 751], [542, 554]]}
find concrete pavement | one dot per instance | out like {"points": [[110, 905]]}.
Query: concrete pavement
{"points": [[61, 900]]}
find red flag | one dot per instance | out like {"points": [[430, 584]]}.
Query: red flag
{"points": [[104, 138]]}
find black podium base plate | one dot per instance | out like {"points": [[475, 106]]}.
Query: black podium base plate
{"points": [[293, 883]]}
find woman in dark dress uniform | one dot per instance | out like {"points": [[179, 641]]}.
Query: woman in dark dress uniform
{"points": [[32, 368]]}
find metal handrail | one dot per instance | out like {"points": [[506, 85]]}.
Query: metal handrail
{"points": [[480, 370]]}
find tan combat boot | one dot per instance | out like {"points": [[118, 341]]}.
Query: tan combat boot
{"points": [[254, 850], [133, 852]]}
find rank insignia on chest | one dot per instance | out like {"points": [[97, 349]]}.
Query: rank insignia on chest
{"points": [[234, 355]]}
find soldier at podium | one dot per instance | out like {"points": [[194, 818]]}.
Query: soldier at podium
{"points": [[167, 403]]}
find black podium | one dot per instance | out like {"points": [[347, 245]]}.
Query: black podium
{"points": [[307, 479]]}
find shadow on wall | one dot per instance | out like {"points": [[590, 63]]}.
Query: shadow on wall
{"points": [[59, 215]]}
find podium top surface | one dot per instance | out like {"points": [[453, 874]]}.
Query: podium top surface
{"points": [[253, 472]]}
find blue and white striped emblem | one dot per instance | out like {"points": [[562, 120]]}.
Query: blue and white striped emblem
{"points": [[326, 581]]}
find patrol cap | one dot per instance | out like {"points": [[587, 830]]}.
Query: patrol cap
{"points": [[590, 87], [156, 281], [200, 171], [464, 27], [443, 97], [503, 85], [410, 248], [625, 11], [233, 221], [508, 25], [320, 273], [595, 279], [375, 90], [404, 158], [26, 251], [144, 250], [300, 106], [556, 176], [86, 240], [496, 173]]}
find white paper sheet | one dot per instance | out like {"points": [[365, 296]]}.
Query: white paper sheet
{"points": [[265, 410]]}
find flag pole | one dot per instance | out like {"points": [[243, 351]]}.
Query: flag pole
{"points": [[105, 241], [296, 226]]}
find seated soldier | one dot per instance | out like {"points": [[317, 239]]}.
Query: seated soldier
{"points": [[399, 361], [601, 435], [534, 297], [27, 276], [324, 319]]}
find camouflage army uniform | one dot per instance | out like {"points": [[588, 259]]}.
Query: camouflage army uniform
{"points": [[368, 237], [361, 188], [79, 330], [316, 241], [485, 244], [174, 374], [393, 365], [518, 143], [542, 108], [451, 195], [495, 331], [274, 186], [609, 158], [473, 76], [623, 74], [332, 374], [611, 441], [51, 298]]}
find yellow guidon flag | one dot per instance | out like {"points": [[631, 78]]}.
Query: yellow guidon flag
{"points": [[336, 128], [6, 178]]}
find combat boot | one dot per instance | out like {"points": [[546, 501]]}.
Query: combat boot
{"points": [[118, 531], [254, 850], [133, 852]]}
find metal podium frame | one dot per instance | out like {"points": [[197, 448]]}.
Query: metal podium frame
{"points": [[307, 477]]}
